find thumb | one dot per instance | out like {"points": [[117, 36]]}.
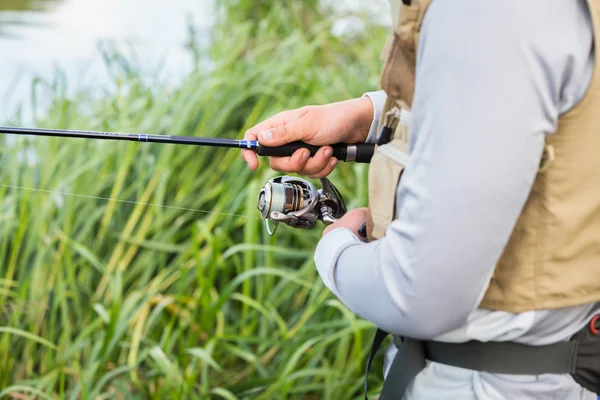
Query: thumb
{"points": [[283, 134]]}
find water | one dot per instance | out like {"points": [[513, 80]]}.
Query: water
{"points": [[39, 37]]}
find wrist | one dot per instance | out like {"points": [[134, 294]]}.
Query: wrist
{"points": [[362, 113]]}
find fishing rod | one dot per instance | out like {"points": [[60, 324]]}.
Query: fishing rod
{"points": [[361, 153], [291, 200]]}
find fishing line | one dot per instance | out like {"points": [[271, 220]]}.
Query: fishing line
{"points": [[128, 201], [326, 205]]}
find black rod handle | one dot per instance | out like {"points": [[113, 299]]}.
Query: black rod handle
{"points": [[362, 152]]}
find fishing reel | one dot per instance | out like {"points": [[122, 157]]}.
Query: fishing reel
{"points": [[298, 203]]}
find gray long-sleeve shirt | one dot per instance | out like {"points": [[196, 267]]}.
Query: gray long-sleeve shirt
{"points": [[492, 79]]}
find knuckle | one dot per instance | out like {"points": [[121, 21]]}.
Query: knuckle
{"points": [[327, 171], [326, 153], [275, 166], [317, 167], [312, 175], [295, 166], [307, 109], [250, 134], [304, 109], [285, 164]]}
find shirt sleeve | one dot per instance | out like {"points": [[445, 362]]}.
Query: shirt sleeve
{"points": [[378, 100], [487, 92]]}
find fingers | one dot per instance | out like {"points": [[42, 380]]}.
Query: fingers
{"points": [[295, 163], [282, 118], [251, 159], [273, 132], [325, 171], [300, 162], [248, 155], [320, 163], [290, 126], [353, 220], [301, 129]]}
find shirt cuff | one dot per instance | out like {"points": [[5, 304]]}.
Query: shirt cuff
{"points": [[378, 99], [328, 251]]}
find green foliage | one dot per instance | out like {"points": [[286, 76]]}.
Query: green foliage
{"points": [[20, 5], [104, 299]]}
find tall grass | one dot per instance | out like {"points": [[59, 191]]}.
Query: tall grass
{"points": [[104, 299]]}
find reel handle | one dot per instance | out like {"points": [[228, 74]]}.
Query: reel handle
{"points": [[360, 152]]}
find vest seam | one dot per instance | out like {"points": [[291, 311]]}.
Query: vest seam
{"points": [[541, 239], [595, 78], [535, 260]]}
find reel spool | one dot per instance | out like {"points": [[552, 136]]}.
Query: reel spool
{"points": [[297, 202]]}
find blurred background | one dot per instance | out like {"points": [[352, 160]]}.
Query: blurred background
{"points": [[40, 37], [107, 299]]}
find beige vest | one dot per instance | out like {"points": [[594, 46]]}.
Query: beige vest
{"points": [[398, 81], [552, 259]]}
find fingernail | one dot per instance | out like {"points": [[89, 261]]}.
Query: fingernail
{"points": [[305, 155], [266, 135], [328, 153], [333, 162]]}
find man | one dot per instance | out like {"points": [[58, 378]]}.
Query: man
{"points": [[484, 245]]}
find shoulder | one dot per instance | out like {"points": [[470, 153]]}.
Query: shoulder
{"points": [[551, 41], [537, 20]]}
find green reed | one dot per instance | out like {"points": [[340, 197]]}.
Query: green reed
{"points": [[102, 299]]}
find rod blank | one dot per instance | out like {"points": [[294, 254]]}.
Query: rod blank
{"points": [[344, 152]]}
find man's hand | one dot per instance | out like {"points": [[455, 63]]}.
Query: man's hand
{"points": [[352, 220], [343, 122]]}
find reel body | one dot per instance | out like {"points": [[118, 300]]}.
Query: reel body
{"points": [[298, 203]]}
